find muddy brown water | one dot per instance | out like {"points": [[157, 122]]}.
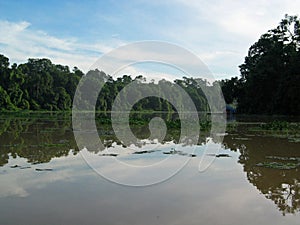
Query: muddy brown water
{"points": [[44, 178]]}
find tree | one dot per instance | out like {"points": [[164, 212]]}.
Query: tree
{"points": [[230, 89], [270, 73], [4, 71], [5, 102]]}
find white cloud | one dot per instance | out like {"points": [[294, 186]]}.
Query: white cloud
{"points": [[221, 32], [20, 183], [243, 18], [154, 59], [156, 75], [19, 43]]}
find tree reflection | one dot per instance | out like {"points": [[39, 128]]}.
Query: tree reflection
{"points": [[280, 186], [37, 139], [42, 137]]}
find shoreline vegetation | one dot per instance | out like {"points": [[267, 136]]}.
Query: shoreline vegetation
{"points": [[254, 123]]}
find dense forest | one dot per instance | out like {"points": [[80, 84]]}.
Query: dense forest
{"points": [[36, 85], [269, 82], [41, 85], [270, 74]]}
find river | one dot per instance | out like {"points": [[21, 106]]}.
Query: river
{"points": [[253, 177]]}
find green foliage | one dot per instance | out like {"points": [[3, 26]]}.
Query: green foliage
{"points": [[270, 74], [37, 85], [276, 125], [269, 82], [5, 100], [231, 89], [41, 85]]}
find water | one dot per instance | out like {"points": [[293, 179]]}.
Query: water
{"points": [[44, 178]]}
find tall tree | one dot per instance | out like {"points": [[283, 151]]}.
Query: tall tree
{"points": [[270, 73]]}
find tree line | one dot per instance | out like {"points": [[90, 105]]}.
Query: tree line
{"points": [[39, 84], [270, 75], [269, 82]]}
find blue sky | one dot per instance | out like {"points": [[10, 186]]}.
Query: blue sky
{"points": [[76, 33]]}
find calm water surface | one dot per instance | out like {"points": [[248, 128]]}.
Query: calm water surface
{"points": [[45, 180]]}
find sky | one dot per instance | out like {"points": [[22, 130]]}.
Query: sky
{"points": [[77, 33]]}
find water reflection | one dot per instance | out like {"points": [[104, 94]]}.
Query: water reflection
{"points": [[38, 141], [282, 186], [41, 138]]}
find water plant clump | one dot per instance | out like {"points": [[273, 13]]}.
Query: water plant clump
{"points": [[284, 163], [280, 126], [279, 165]]}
